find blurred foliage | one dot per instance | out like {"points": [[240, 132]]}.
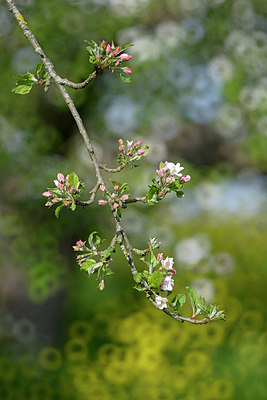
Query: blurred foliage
{"points": [[198, 96]]}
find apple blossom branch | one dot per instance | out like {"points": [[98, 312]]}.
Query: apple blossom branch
{"points": [[159, 278]]}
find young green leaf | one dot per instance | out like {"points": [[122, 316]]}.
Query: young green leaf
{"points": [[73, 180], [73, 206], [178, 301], [108, 252], [155, 279], [137, 277], [152, 190], [193, 298], [57, 210], [125, 79]]}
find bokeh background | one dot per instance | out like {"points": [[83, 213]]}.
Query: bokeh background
{"points": [[199, 97]]}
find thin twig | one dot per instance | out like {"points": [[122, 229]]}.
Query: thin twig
{"points": [[135, 200], [105, 168], [92, 198]]}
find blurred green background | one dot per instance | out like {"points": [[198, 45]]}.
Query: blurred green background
{"points": [[199, 97]]}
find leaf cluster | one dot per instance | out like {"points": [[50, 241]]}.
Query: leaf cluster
{"points": [[26, 81]]}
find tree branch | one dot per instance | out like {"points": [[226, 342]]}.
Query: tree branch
{"points": [[105, 168], [120, 236]]}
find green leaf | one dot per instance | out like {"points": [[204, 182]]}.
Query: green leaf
{"points": [[108, 252], [125, 46], [137, 277], [118, 213], [73, 206], [140, 289], [125, 79], [178, 301], [73, 180], [152, 259], [40, 71], [152, 190], [203, 307], [180, 194], [93, 239], [24, 83], [155, 279], [57, 210], [193, 298]]}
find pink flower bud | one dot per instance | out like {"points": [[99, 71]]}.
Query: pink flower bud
{"points": [[108, 49], [101, 285], [120, 141], [102, 188], [66, 203], [185, 178], [117, 50], [113, 196], [48, 203], [173, 271], [140, 152], [170, 180], [160, 173], [80, 243], [60, 177], [47, 194], [127, 70], [116, 205], [101, 202], [116, 187], [55, 200], [125, 197], [75, 248], [72, 190], [117, 63], [103, 43], [130, 153], [160, 256], [137, 143], [99, 57], [125, 57], [67, 184], [121, 147]]}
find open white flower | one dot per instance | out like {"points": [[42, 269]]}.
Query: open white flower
{"points": [[129, 144], [161, 302], [174, 168], [167, 263], [167, 283]]}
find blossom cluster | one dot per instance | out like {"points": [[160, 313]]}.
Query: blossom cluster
{"points": [[169, 179], [130, 152], [66, 192], [108, 56], [117, 197], [158, 278], [91, 259], [167, 282], [169, 172]]}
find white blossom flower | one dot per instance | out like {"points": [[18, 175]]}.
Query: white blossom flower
{"points": [[167, 283], [174, 168], [161, 302], [129, 144], [167, 263]]}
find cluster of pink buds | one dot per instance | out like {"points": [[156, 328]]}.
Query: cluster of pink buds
{"points": [[131, 151], [109, 56], [66, 191], [81, 247], [117, 197]]}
